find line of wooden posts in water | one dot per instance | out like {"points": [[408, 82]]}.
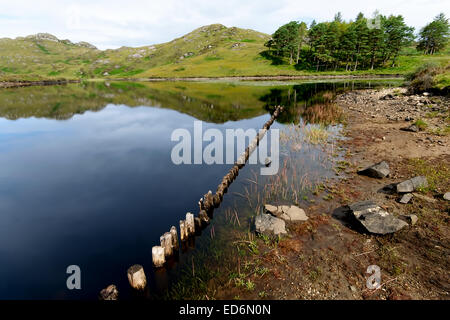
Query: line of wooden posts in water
{"points": [[169, 243]]}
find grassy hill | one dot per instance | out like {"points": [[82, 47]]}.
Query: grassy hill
{"points": [[209, 51]]}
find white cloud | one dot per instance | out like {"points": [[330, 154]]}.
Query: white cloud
{"points": [[111, 24]]}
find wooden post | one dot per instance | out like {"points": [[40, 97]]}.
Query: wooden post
{"points": [[166, 243], [216, 200], [203, 216], [189, 224], [198, 223], [208, 201], [174, 233], [158, 256], [109, 293], [136, 277], [201, 204], [183, 233]]}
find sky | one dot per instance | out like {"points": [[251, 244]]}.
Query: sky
{"points": [[110, 24]]}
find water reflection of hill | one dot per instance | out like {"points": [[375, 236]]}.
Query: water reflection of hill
{"points": [[216, 102]]}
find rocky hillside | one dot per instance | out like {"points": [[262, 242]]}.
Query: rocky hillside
{"points": [[43, 56], [205, 51]]}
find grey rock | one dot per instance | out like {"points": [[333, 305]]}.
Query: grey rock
{"points": [[86, 45], [295, 213], [268, 224], [387, 97], [272, 209], [411, 128], [447, 196], [411, 219], [378, 170], [412, 184], [406, 198], [374, 219]]}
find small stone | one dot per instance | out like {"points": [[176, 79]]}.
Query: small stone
{"points": [[270, 208], [406, 198], [411, 128], [267, 224], [378, 170], [412, 184], [447, 196], [109, 293], [411, 219], [296, 214]]}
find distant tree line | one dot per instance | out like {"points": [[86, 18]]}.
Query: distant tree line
{"points": [[360, 44]]}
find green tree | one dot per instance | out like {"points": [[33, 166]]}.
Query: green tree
{"points": [[434, 36], [302, 37], [397, 36], [286, 39]]}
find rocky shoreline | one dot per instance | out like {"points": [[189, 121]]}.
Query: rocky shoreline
{"points": [[389, 208]]}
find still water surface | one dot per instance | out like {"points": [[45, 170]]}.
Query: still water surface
{"points": [[86, 176]]}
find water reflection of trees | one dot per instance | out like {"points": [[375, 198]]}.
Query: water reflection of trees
{"points": [[313, 102]]}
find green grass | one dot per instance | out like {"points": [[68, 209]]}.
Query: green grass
{"points": [[442, 81], [435, 175], [421, 124], [43, 49]]}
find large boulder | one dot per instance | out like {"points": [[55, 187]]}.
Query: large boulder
{"points": [[378, 170], [412, 184], [374, 219], [270, 225]]}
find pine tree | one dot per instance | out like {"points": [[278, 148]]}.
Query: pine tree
{"points": [[434, 36]]}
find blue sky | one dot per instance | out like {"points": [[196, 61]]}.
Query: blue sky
{"points": [[111, 24]]}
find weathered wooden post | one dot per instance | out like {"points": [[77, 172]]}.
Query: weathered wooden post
{"points": [[203, 216], [166, 243], [183, 230], [198, 224], [109, 293], [174, 233], [208, 202], [136, 277], [190, 224], [158, 257], [216, 200]]}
